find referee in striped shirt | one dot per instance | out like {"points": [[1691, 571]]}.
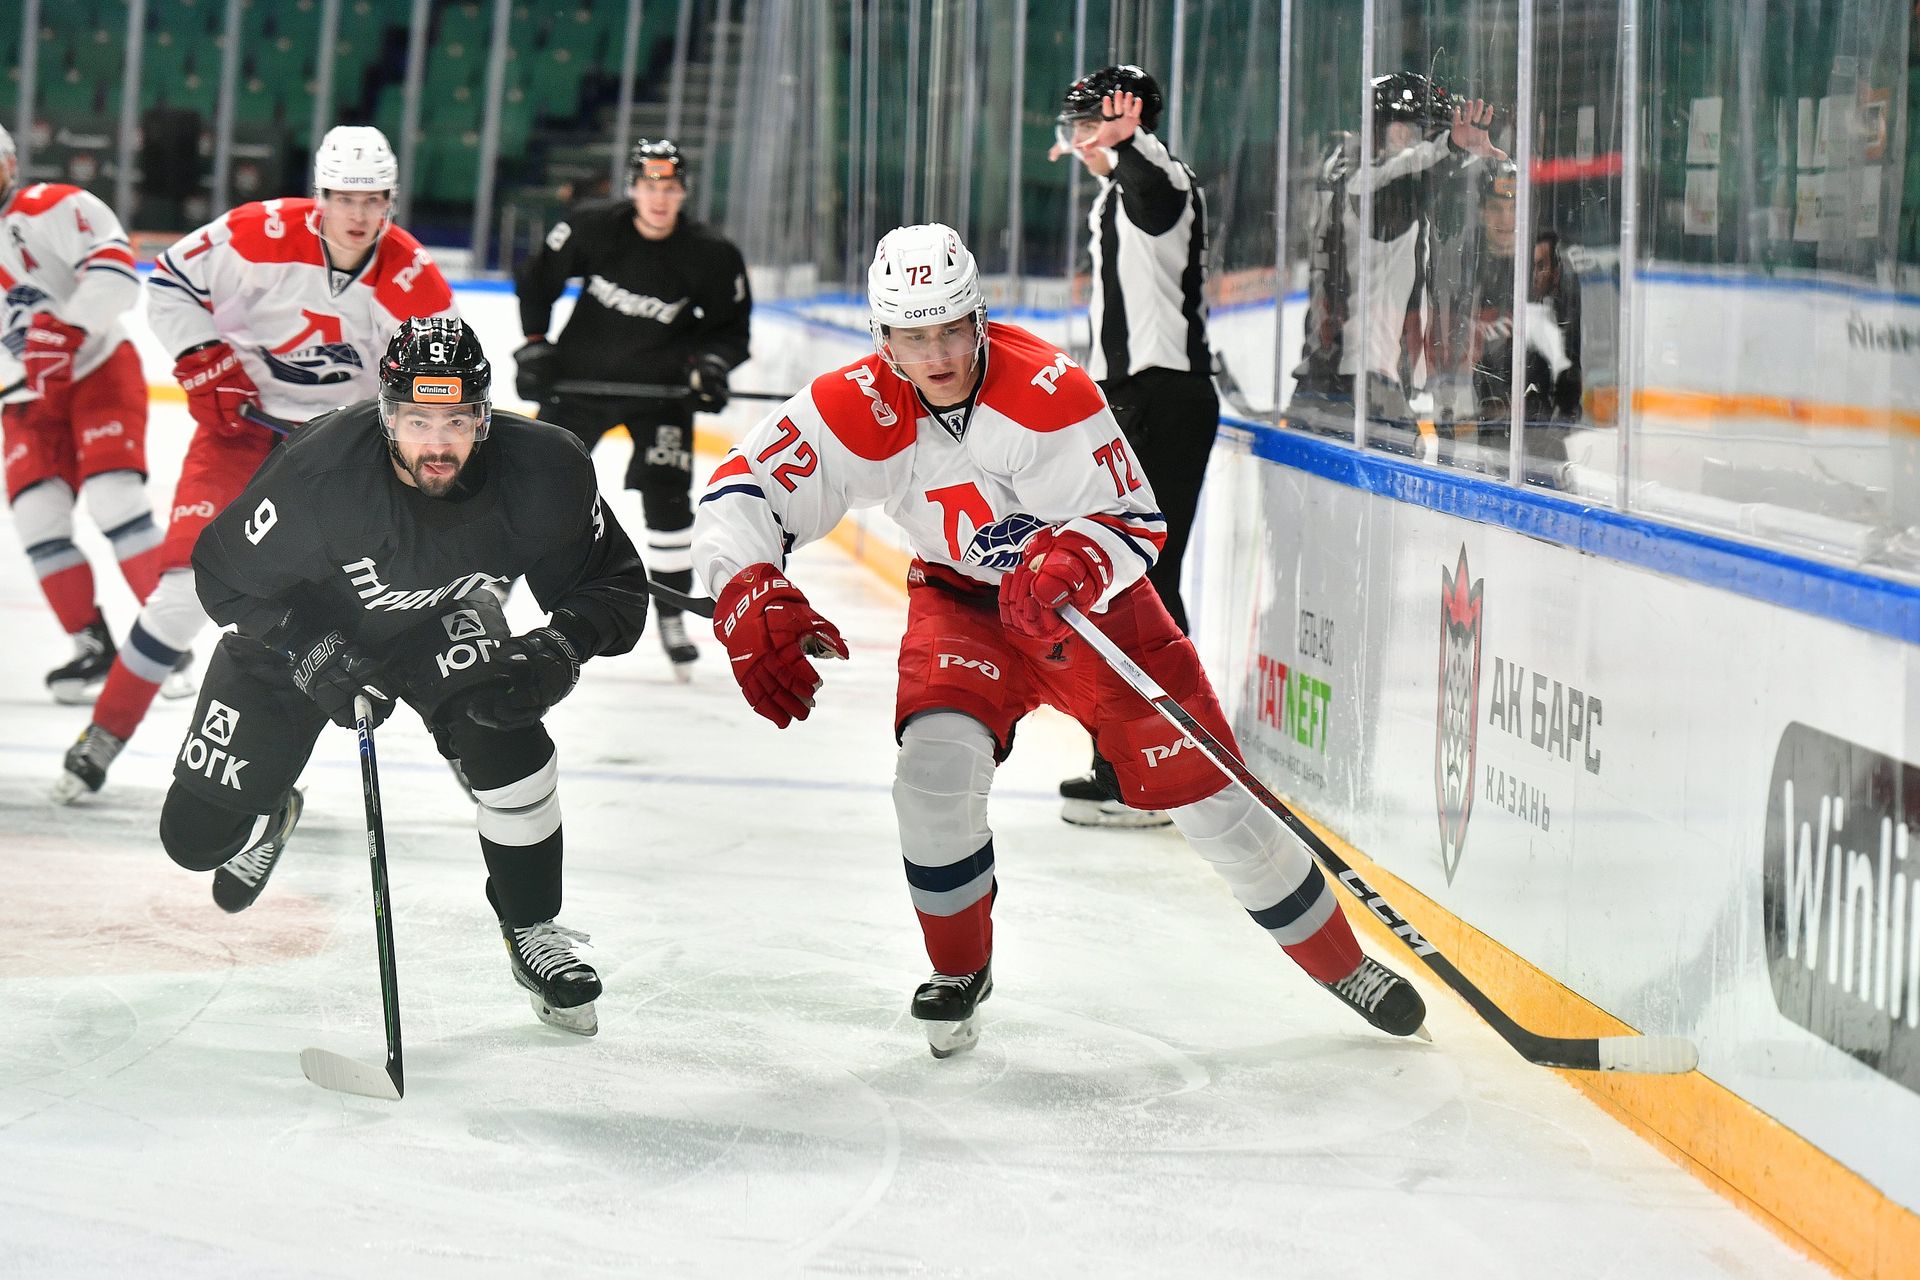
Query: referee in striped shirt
{"points": [[1150, 354]]}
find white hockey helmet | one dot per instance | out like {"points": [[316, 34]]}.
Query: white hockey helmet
{"points": [[355, 157], [7, 152], [922, 275]]}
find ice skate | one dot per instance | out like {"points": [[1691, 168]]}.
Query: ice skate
{"points": [[79, 682], [680, 650], [946, 1003], [1093, 800], [180, 682], [240, 879], [84, 771], [561, 985], [1383, 998]]}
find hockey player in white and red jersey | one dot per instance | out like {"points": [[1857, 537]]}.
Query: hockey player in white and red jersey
{"points": [[76, 423], [1018, 493], [284, 304]]}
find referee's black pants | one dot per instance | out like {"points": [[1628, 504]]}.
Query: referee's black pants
{"points": [[1169, 419]]}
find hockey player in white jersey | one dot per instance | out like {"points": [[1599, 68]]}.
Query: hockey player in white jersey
{"points": [[76, 417], [1018, 493], [285, 304]]}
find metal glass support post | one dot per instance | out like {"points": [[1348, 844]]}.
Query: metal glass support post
{"points": [[623, 113], [490, 131], [223, 112], [129, 111], [1522, 248], [410, 110]]}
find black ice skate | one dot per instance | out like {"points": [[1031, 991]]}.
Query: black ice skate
{"points": [[562, 986], [79, 681], [241, 878], [680, 650], [1093, 800], [180, 682], [946, 1003], [1383, 998], [84, 771]]}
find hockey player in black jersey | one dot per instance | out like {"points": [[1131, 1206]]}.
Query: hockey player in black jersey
{"points": [[352, 564], [663, 301]]}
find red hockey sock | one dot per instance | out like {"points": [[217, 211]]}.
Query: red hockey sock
{"points": [[70, 592], [960, 943], [142, 571], [1329, 955], [124, 701]]}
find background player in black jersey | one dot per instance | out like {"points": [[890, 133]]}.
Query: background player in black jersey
{"points": [[663, 301], [352, 563]]}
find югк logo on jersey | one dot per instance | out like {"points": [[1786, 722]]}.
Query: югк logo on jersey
{"points": [[220, 723], [463, 624]]}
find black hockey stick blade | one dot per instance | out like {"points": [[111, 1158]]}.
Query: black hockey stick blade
{"points": [[259, 417], [331, 1070], [342, 1074], [652, 391], [1649, 1055]]}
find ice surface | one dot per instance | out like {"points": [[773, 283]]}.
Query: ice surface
{"points": [[1157, 1091]]}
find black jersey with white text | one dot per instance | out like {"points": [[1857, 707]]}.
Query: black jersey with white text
{"points": [[328, 531], [647, 308]]}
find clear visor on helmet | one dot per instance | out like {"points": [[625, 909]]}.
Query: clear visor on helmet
{"points": [[410, 422], [1071, 131], [925, 344]]}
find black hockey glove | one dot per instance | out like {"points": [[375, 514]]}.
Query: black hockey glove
{"points": [[708, 379], [533, 370], [542, 666], [332, 672]]}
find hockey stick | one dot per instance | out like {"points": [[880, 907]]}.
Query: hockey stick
{"points": [[12, 387], [1651, 1055], [251, 412], [680, 600], [649, 391], [332, 1070]]}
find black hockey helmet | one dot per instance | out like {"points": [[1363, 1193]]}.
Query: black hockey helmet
{"points": [[436, 360], [1500, 180], [1082, 101], [1410, 98], [656, 160]]}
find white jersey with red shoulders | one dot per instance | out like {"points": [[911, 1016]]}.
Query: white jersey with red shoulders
{"points": [[258, 278], [1040, 442], [63, 251]]}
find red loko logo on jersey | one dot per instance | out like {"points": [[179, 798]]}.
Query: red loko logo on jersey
{"points": [[317, 355]]}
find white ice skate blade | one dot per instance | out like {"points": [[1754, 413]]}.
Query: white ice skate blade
{"points": [[581, 1019], [1422, 1033], [178, 685], [76, 693], [344, 1075], [945, 1039], [67, 788], [683, 672], [1111, 813]]}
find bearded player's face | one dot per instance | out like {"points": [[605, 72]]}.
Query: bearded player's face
{"points": [[432, 444]]}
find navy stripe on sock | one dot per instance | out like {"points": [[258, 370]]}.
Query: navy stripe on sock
{"points": [[1293, 906], [954, 874]]}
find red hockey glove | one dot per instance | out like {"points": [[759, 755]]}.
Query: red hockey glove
{"points": [[216, 387], [1057, 567], [770, 631], [52, 346]]}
